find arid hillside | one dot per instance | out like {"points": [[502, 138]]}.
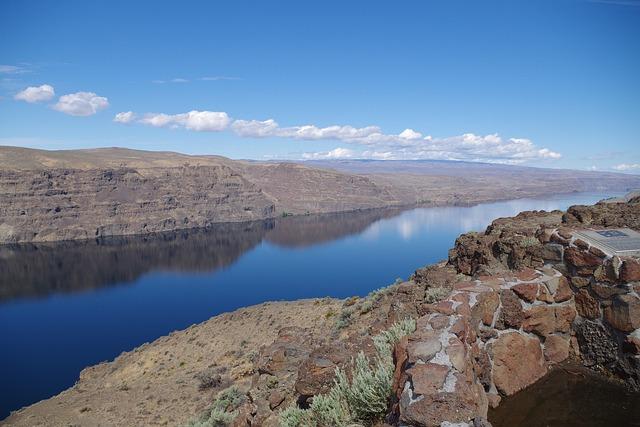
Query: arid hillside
{"points": [[83, 194]]}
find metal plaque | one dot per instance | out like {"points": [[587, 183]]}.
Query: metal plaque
{"points": [[618, 241]]}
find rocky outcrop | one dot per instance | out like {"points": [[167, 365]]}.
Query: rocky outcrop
{"points": [[537, 296]]}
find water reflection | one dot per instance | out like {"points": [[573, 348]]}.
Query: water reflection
{"points": [[39, 269], [415, 222]]}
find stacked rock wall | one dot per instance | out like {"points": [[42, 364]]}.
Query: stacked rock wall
{"points": [[531, 296]]}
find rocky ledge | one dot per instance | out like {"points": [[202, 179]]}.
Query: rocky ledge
{"points": [[509, 305]]}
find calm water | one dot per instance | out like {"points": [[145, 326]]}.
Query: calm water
{"points": [[67, 306], [570, 397]]}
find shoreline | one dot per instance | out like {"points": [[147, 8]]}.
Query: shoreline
{"points": [[301, 326], [399, 208]]}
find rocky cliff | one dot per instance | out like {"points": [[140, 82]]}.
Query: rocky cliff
{"points": [[81, 194], [66, 204]]}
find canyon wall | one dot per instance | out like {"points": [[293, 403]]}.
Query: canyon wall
{"points": [[67, 204]]}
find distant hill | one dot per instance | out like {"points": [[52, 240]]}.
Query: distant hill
{"points": [[81, 194]]}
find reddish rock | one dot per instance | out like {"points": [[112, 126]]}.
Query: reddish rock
{"points": [[439, 321], [565, 315], [316, 373], [462, 329], [400, 359], [606, 291], [564, 292], [427, 378], [457, 353], [545, 295], [275, 399], [526, 274], [485, 307], [424, 348], [624, 313], [466, 403], [580, 282], [443, 307], [461, 298], [463, 309], [597, 252], [581, 244], [585, 263], [630, 270], [517, 362], [472, 287], [481, 365], [556, 349], [511, 314], [526, 291], [540, 319], [587, 305]]}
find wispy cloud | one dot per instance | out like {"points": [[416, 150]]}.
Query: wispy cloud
{"points": [[625, 167], [367, 142], [174, 80], [216, 78], [14, 69], [125, 117]]}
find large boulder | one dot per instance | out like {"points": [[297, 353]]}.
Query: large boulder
{"points": [[517, 362], [624, 313]]}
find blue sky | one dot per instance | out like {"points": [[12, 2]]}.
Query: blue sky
{"points": [[545, 83]]}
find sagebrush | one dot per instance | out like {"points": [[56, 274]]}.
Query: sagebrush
{"points": [[222, 410], [365, 398]]}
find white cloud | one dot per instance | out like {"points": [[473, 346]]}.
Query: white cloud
{"points": [[627, 166], [34, 94], [407, 145], [81, 104], [200, 121], [125, 117], [410, 134], [338, 153], [255, 128]]}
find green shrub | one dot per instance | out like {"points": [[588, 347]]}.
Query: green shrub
{"points": [[222, 410], [366, 306], [529, 241], [432, 295], [345, 318], [365, 398]]}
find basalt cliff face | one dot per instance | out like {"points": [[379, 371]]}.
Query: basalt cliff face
{"points": [[509, 305], [66, 204], [84, 194]]}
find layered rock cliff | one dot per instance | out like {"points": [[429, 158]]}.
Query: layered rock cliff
{"points": [[81, 194], [66, 204]]}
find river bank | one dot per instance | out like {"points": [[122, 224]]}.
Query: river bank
{"points": [[296, 359]]}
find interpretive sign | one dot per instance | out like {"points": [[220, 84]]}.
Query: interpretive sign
{"points": [[619, 241]]}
